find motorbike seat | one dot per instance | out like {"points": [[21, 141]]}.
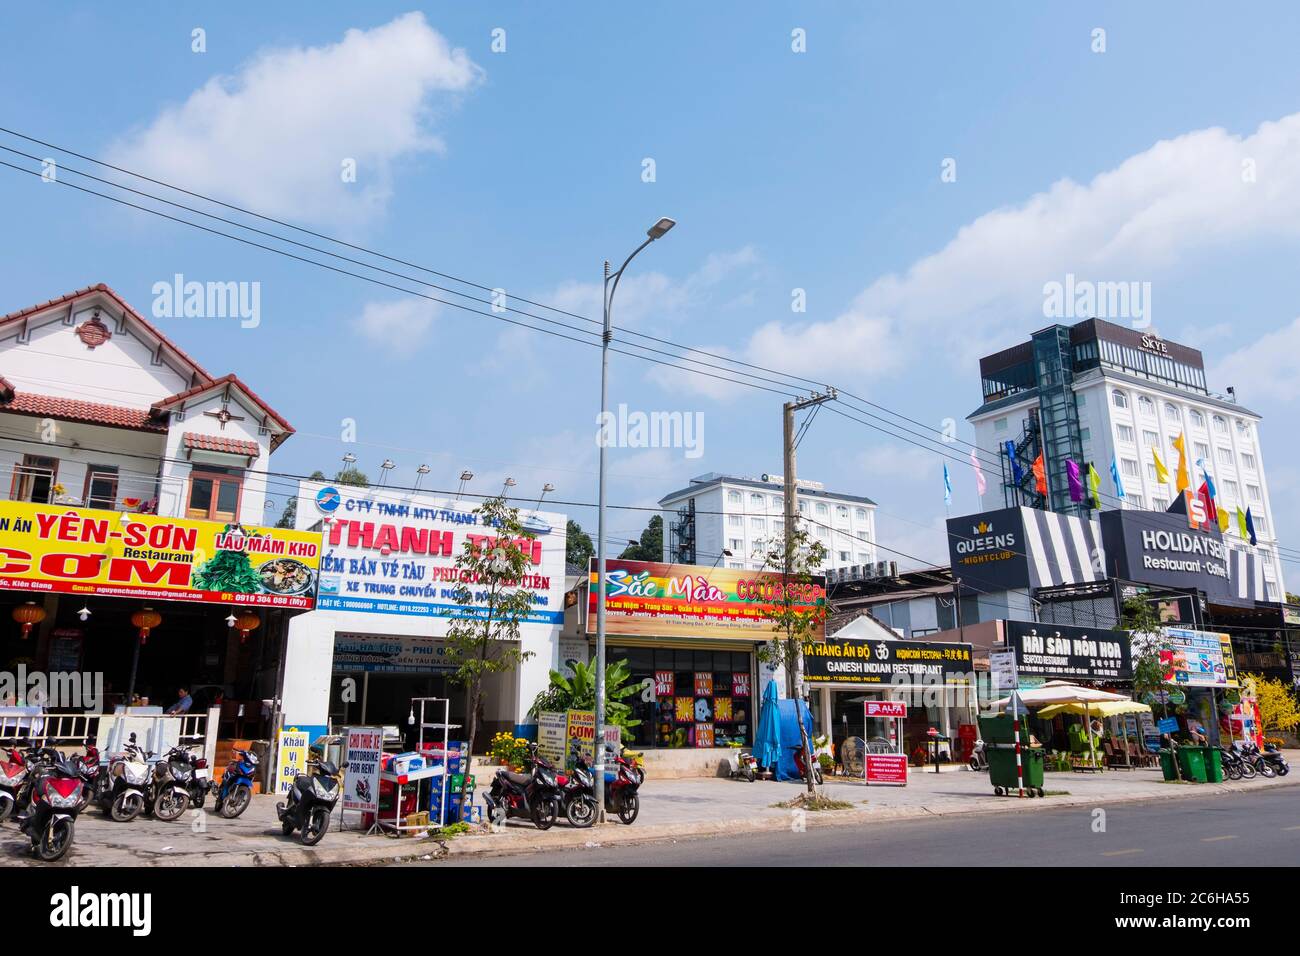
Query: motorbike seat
{"points": [[302, 782], [518, 779]]}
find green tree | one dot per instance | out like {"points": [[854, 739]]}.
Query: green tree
{"points": [[794, 622], [483, 638], [578, 547], [290, 513], [651, 545], [1142, 622], [1277, 702], [351, 476], [579, 693]]}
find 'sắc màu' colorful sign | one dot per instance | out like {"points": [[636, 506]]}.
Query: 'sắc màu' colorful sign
{"points": [[680, 600], [63, 550]]}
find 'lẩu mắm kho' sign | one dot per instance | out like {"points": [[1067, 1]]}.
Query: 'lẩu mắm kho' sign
{"points": [[665, 600], [49, 548]]}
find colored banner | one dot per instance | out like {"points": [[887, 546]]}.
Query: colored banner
{"points": [[51, 548], [1195, 658], [365, 747], [887, 662], [291, 759], [887, 769], [739, 684], [703, 684], [680, 600], [664, 681]]}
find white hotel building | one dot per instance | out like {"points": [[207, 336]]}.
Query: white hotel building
{"points": [[727, 521], [1096, 390]]}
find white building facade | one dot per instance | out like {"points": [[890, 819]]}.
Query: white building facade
{"points": [[727, 521], [1097, 391]]}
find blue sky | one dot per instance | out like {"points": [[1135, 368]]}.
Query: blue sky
{"points": [[817, 170]]}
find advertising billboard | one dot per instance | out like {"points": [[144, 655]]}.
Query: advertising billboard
{"points": [[64, 550], [1196, 658], [1158, 547], [1065, 652], [681, 600], [887, 662], [1025, 548], [394, 552]]}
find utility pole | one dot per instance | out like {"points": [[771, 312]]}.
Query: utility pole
{"points": [[794, 655]]}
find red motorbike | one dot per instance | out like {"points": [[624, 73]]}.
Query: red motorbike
{"points": [[534, 796], [803, 770], [621, 786], [13, 779], [58, 795]]}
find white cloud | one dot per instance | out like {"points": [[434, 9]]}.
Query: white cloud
{"points": [[1265, 367], [1135, 222], [274, 136], [400, 326]]}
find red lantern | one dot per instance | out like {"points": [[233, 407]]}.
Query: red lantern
{"points": [[245, 622], [28, 615], [146, 620]]}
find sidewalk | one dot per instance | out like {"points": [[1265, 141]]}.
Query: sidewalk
{"points": [[670, 810]]}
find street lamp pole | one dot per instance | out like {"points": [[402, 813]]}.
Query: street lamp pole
{"points": [[657, 231]]}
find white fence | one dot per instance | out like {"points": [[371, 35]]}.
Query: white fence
{"points": [[155, 733]]}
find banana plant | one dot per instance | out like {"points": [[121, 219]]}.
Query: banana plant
{"points": [[579, 693]]}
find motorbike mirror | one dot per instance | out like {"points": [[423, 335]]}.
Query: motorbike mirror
{"points": [[343, 765]]}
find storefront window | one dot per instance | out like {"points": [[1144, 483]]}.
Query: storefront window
{"points": [[701, 698]]}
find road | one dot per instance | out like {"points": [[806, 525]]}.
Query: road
{"points": [[1241, 829]]}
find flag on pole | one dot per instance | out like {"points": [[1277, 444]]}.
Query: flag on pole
{"points": [[1241, 525], [947, 485], [1162, 473], [1183, 481], [1250, 526], [1200, 463], [1205, 493], [1076, 481], [1223, 520], [980, 483], [1017, 473], [1114, 476], [1040, 475], [1094, 486]]}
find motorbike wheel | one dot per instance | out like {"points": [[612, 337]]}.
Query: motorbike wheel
{"points": [[126, 806], [55, 840], [6, 806], [318, 821], [1233, 771], [544, 814], [628, 808], [1283, 770], [1265, 769], [581, 812], [818, 779], [1247, 771], [236, 802], [749, 774], [168, 805]]}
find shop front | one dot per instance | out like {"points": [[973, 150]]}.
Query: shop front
{"points": [[934, 679], [691, 637], [388, 578]]}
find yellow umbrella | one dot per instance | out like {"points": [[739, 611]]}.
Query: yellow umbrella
{"points": [[1101, 708]]}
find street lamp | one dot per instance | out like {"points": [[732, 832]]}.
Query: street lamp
{"points": [[419, 475], [387, 466], [509, 483], [465, 476], [657, 231], [546, 490]]}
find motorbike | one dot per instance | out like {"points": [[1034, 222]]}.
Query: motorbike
{"points": [[1256, 758], [979, 759], [622, 786], [578, 794], [1273, 756], [311, 801], [534, 796], [168, 795], [803, 771], [127, 782], [741, 765], [1235, 764], [13, 782], [235, 792], [58, 795]]}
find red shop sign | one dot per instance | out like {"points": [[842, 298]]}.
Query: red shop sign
{"points": [[884, 708], [663, 683], [889, 769], [739, 685]]}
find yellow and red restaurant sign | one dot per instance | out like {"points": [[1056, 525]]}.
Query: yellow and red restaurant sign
{"points": [[651, 599], [49, 548]]}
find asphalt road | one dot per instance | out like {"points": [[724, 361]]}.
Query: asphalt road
{"points": [[1241, 829]]}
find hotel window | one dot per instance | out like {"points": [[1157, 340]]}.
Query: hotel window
{"points": [[1171, 411], [1231, 489], [1130, 467], [1135, 501], [1000, 424], [1159, 504], [1085, 434], [1124, 433], [863, 559], [1242, 428], [822, 509], [736, 521], [214, 494], [844, 557], [777, 503], [842, 511], [823, 533], [735, 545], [1150, 439], [1225, 455], [756, 501], [1260, 522], [733, 497], [1200, 450], [758, 524], [1119, 399], [803, 507], [1254, 494], [860, 514], [735, 565], [1220, 424], [1196, 418], [1146, 406], [1151, 471], [1248, 461]]}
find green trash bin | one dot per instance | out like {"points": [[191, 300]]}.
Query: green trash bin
{"points": [[1213, 765], [1002, 768], [1167, 764], [1191, 761]]}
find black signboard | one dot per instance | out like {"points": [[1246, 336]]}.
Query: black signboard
{"points": [[1065, 652], [1160, 548], [887, 662], [988, 550]]}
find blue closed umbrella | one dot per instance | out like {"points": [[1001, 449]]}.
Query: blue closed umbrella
{"points": [[767, 736]]}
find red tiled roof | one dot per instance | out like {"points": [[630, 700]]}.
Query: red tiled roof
{"points": [[74, 410], [230, 446], [230, 379], [6, 389], [21, 314]]}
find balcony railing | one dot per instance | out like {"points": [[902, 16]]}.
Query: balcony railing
{"points": [[104, 490]]}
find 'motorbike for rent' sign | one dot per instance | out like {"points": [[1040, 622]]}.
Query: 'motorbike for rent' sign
{"points": [[50, 548]]}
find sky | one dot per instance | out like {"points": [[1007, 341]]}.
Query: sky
{"points": [[911, 174]]}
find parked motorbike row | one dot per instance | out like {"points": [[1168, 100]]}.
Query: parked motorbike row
{"points": [[545, 793], [45, 790], [1246, 761]]}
